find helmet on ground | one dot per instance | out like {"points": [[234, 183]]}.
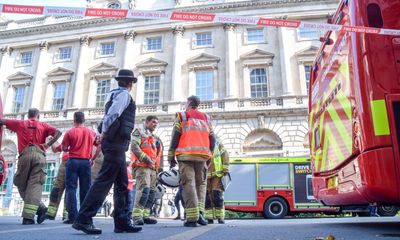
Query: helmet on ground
{"points": [[169, 178]]}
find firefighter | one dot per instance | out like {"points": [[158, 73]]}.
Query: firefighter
{"points": [[58, 186], [31, 175], [192, 143], [215, 192], [146, 161]]}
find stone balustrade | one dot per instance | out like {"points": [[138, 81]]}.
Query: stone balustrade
{"points": [[214, 106]]}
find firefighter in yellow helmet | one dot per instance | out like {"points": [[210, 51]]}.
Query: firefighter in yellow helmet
{"points": [[215, 192], [192, 144]]}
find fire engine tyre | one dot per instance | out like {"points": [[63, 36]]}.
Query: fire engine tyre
{"points": [[275, 208], [387, 210]]}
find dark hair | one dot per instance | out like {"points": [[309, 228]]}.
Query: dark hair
{"points": [[33, 112], [194, 101], [123, 83], [151, 117], [79, 117]]}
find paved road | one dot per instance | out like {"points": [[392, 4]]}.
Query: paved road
{"points": [[311, 229]]}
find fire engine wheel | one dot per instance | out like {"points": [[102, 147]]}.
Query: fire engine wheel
{"points": [[275, 208], [387, 210]]}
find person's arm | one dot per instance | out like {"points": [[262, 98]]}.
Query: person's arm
{"points": [[56, 148], [65, 142], [54, 139], [135, 148], [224, 158], [176, 136], [11, 124], [120, 102], [2, 122]]}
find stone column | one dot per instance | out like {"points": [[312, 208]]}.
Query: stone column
{"points": [[79, 82], [284, 47], [192, 82], [176, 86], [162, 87], [92, 93], [140, 89], [246, 81], [230, 58], [216, 93], [5, 66], [36, 98], [48, 102], [129, 37], [8, 101]]}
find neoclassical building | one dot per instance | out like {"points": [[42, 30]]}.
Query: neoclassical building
{"points": [[252, 80]]}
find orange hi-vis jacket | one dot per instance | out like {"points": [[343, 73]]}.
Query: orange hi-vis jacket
{"points": [[149, 148], [194, 139]]}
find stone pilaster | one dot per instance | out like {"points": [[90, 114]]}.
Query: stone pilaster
{"points": [[230, 59], [129, 37], [286, 73], [5, 66], [78, 84], [42, 64], [177, 61]]}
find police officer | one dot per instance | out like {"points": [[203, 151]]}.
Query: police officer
{"points": [[116, 128], [192, 143], [215, 192], [30, 176], [145, 163]]}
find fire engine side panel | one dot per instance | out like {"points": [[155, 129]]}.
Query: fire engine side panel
{"points": [[243, 188], [273, 175]]}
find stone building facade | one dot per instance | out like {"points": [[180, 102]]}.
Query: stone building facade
{"points": [[253, 81]]}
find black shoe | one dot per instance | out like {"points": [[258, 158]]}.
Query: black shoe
{"points": [[130, 228], [86, 228], [177, 218], [210, 221], [27, 221], [190, 224], [138, 221], [221, 221], [68, 221], [149, 220], [202, 220], [41, 214], [50, 217]]}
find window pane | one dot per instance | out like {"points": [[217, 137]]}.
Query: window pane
{"points": [[64, 53], [50, 170], [18, 99], [307, 34], [152, 89], [258, 83], [58, 97], [307, 70], [204, 85], [103, 87], [154, 43], [203, 39], [107, 49], [255, 35], [26, 58]]}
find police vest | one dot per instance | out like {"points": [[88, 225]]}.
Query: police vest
{"points": [[148, 147], [126, 122], [194, 139]]}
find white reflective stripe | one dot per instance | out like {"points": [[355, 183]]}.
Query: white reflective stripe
{"points": [[193, 148], [183, 115], [185, 129]]}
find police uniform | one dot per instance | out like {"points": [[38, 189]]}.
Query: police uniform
{"points": [[144, 150], [192, 138], [215, 191]]}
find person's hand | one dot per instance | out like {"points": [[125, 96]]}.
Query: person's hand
{"points": [[225, 172], [44, 146], [172, 162], [91, 162], [54, 148]]}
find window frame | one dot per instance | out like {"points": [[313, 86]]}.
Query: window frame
{"points": [[54, 98], [146, 44], [103, 94], [13, 107], [148, 91], [195, 39], [100, 49], [50, 176], [20, 63], [205, 86], [58, 54], [268, 94], [300, 38], [246, 36]]}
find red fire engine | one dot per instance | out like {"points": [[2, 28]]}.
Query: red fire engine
{"points": [[354, 108]]}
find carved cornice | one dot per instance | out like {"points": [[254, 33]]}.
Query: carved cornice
{"points": [[178, 30], [85, 40], [130, 35], [6, 50]]}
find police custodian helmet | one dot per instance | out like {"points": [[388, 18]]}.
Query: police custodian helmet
{"points": [[126, 75]]}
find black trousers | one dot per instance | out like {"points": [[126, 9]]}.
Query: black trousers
{"points": [[113, 171]]}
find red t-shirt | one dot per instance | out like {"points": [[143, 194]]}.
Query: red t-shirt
{"points": [[79, 142], [30, 131]]}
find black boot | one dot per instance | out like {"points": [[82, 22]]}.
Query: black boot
{"points": [[210, 221], [190, 224], [129, 228], [27, 221], [202, 220], [41, 213], [86, 228]]}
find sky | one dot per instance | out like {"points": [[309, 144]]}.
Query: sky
{"points": [[62, 3]]}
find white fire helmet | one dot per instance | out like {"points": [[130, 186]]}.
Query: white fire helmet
{"points": [[169, 178]]}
